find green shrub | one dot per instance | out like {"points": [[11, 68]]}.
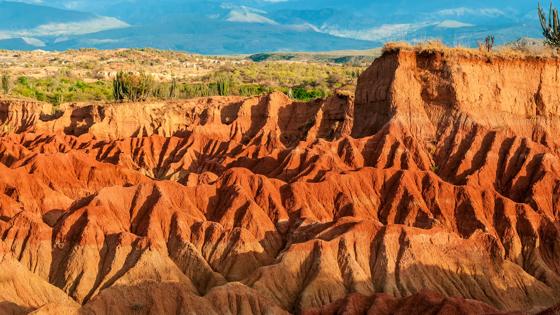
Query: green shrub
{"points": [[299, 80], [23, 81], [307, 94], [57, 90], [196, 90], [252, 89]]}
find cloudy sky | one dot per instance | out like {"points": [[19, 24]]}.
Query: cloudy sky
{"points": [[375, 21]]}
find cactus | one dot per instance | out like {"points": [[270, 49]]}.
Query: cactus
{"points": [[6, 83], [223, 84], [173, 89], [119, 87], [550, 25], [128, 86], [489, 43]]}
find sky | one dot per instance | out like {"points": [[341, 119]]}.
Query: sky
{"points": [[288, 23]]}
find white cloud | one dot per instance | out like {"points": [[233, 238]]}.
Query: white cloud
{"points": [[29, 1], [61, 39], [78, 28], [380, 33], [304, 27], [462, 11], [248, 15], [73, 5], [94, 41], [388, 32], [64, 29], [33, 41], [453, 24]]}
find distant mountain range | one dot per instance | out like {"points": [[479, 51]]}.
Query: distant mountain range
{"points": [[250, 26]]}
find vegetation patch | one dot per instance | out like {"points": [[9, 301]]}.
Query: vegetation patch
{"points": [[142, 74]]}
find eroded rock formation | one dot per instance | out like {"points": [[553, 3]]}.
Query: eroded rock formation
{"points": [[434, 191]]}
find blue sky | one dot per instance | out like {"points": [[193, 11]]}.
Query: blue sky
{"points": [[340, 24]]}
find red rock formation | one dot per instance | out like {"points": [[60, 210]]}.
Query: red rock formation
{"points": [[424, 302], [428, 193]]}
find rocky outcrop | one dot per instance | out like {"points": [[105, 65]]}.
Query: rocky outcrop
{"points": [[424, 302], [427, 192], [423, 89]]}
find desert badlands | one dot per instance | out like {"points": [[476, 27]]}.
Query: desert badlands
{"points": [[435, 189]]}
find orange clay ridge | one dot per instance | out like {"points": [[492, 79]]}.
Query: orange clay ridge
{"points": [[434, 190]]}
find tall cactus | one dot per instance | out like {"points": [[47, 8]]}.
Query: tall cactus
{"points": [[550, 25], [223, 83], [119, 92], [489, 42], [173, 88], [132, 87], [6, 83]]}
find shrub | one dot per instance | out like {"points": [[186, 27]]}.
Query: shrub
{"points": [[56, 99], [252, 89], [61, 89], [307, 94], [23, 81], [195, 90]]}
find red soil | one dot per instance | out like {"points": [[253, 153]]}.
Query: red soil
{"points": [[434, 191]]}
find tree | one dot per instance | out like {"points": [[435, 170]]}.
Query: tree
{"points": [[6, 83], [550, 25]]}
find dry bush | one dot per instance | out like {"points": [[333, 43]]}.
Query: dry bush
{"points": [[516, 50], [395, 46]]}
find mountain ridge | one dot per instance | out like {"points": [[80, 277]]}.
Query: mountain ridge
{"points": [[213, 27]]}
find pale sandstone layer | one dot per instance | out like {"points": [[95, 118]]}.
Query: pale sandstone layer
{"points": [[434, 191]]}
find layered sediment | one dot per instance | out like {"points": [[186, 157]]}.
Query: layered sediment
{"points": [[434, 190]]}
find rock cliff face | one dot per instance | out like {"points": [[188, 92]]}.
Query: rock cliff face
{"points": [[434, 191]]}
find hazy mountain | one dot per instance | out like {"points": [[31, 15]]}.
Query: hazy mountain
{"points": [[35, 25], [15, 15], [239, 38], [248, 26]]}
